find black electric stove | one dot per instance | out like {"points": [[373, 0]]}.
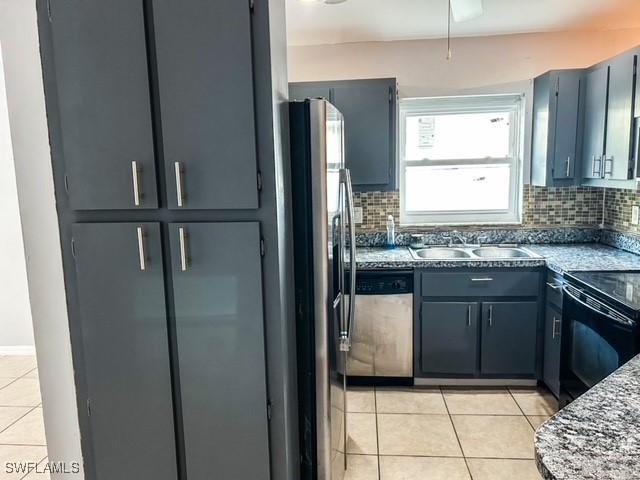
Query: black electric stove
{"points": [[600, 328], [620, 289]]}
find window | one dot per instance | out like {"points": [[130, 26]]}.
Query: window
{"points": [[460, 159]]}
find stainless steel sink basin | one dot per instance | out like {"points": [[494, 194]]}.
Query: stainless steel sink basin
{"points": [[441, 252], [499, 252], [471, 252]]}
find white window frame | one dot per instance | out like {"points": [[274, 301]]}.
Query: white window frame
{"points": [[466, 104]]}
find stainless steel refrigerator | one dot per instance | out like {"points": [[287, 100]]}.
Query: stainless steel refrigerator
{"points": [[323, 220]]}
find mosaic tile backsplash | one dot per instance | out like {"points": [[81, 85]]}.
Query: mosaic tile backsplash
{"points": [[617, 207], [542, 207]]}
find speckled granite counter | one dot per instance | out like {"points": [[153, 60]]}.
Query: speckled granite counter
{"points": [[371, 258], [586, 257], [598, 435], [560, 258]]}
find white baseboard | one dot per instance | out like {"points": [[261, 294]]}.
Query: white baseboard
{"points": [[18, 350]]}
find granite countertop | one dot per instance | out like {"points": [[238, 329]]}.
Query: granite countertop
{"points": [[372, 258], [598, 435], [560, 258], [586, 257]]}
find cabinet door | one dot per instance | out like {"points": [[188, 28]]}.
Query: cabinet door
{"points": [[205, 77], [566, 124], [126, 350], [103, 103], [551, 362], [595, 111], [509, 338], [620, 117], [217, 286], [449, 338], [369, 116], [303, 90]]}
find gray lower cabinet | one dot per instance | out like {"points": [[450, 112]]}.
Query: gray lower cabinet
{"points": [[449, 337], [121, 303], [103, 112], [205, 80], [552, 345], [509, 331], [217, 289]]}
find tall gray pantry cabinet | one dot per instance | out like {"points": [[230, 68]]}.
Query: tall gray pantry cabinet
{"points": [[169, 140]]}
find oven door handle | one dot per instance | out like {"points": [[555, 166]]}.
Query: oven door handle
{"points": [[623, 320]]}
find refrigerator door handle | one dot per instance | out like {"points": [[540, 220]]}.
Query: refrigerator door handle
{"points": [[345, 340]]}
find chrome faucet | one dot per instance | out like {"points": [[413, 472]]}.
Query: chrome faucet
{"points": [[459, 236]]}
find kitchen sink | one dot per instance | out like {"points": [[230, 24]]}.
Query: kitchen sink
{"points": [[501, 252], [471, 253], [442, 252]]}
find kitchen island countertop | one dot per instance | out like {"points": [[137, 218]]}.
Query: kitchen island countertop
{"points": [[597, 436]]}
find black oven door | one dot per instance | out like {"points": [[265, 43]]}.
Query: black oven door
{"points": [[596, 341]]}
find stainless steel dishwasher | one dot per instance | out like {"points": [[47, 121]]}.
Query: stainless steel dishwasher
{"points": [[382, 342]]}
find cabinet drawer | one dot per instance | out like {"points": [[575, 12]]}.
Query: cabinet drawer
{"points": [[456, 284]]}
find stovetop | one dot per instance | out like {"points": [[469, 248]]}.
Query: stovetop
{"points": [[622, 287]]}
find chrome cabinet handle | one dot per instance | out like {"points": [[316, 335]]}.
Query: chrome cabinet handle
{"points": [[468, 315], [491, 315], [596, 171], [183, 249], [136, 183], [556, 321], [179, 192], [568, 166], [482, 279], [608, 166], [142, 257], [554, 286]]}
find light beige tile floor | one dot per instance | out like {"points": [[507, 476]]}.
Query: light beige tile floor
{"points": [[448, 433], [22, 441]]}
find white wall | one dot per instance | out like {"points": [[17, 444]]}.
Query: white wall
{"points": [[496, 64], [27, 116], [478, 63], [16, 331]]}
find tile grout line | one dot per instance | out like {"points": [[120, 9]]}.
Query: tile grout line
{"points": [[375, 409], [39, 462], [446, 406], [31, 409], [520, 408]]}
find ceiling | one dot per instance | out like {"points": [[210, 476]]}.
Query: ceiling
{"points": [[315, 23]]}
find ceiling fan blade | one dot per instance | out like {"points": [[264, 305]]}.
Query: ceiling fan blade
{"points": [[463, 10]]}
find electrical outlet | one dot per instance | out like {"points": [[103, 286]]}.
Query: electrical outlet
{"points": [[357, 215], [635, 213]]}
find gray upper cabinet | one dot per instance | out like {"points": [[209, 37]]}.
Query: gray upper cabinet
{"points": [[509, 333], [448, 337], [370, 114], [557, 126], [217, 286], [103, 104], [205, 77], [618, 157], [121, 304], [302, 91], [609, 121], [595, 114]]}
